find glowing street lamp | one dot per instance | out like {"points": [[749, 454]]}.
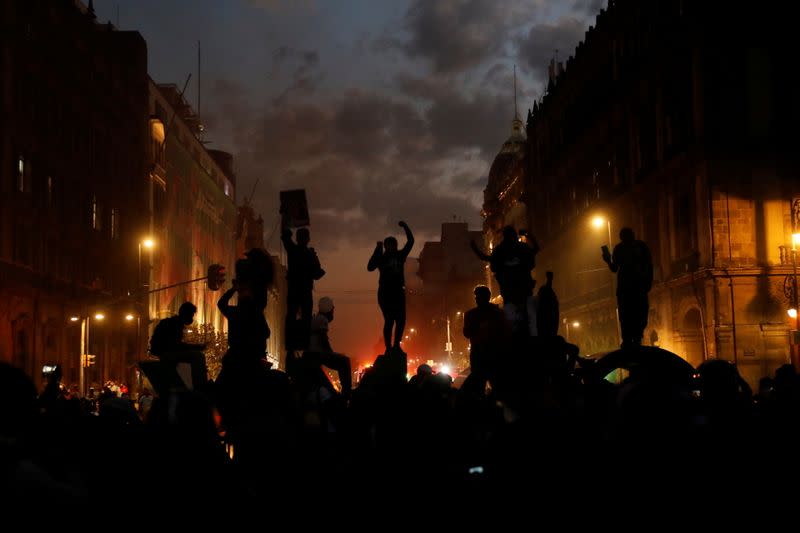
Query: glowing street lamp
{"points": [[575, 324], [85, 346], [129, 317], [598, 221], [795, 305]]}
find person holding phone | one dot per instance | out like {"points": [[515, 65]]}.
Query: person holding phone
{"points": [[633, 264]]}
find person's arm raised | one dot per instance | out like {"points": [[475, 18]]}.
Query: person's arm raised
{"points": [[409, 238]]}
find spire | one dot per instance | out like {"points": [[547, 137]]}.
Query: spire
{"points": [[516, 112], [516, 124]]}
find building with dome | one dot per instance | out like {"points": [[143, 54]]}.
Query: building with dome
{"points": [[668, 121], [504, 198]]}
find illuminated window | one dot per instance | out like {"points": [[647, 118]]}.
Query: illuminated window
{"points": [[21, 174]]}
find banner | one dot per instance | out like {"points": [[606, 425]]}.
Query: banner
{"points": [[294, 208]]}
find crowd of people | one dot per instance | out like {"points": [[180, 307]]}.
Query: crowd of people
{"points": [[535, 428]]}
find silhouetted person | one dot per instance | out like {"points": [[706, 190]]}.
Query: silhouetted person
{"points": [[303, 269], [633, 264], [255, 271], [53, 392], [167, 344], [248, 330], [391, 285], [547, 316], [423, 371], [319, 346], [487, 329], [511, 262], [168, 335]]}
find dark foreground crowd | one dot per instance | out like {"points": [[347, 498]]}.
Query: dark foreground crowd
{"points": [[536, 431]]}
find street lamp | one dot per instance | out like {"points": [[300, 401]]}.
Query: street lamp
{"points": [[143, 289], [148, 244], [85, 346], [598, 221], [795, 307], [575, 325]]}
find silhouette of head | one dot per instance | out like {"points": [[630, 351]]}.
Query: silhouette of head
{"points": [[186, 312], [390, 244], [482, 295], [509, 234], [626, 235], [303, 237], [549, 276], [424, 370], [325, 307]]}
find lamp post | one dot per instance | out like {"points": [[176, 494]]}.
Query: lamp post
{"points": [[143, 290], [148, 244], [598, 221], [793, 312], [575, 325], [448, 347], [85, 347]]}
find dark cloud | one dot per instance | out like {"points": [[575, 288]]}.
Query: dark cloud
{"points": [[458, 34], [305, 76], [365, 159], [539, 46], [480, 118], [589, 7]]}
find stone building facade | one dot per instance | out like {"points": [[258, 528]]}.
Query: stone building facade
{"points": [[73, 201], [677, 120]]}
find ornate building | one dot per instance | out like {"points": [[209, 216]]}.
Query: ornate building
{"points": [[676, 119], [73, 193], [504, 198], [194, 215]]}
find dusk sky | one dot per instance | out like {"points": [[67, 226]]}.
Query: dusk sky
{"points": [[382, 110]]}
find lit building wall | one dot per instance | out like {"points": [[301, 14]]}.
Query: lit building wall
{"points": [[194, 213], [666, 122], [73, 113]]}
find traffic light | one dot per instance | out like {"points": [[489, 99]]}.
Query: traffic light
{"points": [[216, 277]]}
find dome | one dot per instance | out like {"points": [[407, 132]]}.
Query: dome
{"points": [[511, 152]]}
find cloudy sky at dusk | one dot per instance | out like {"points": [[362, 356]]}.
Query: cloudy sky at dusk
{"points": [[381, 110]]}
